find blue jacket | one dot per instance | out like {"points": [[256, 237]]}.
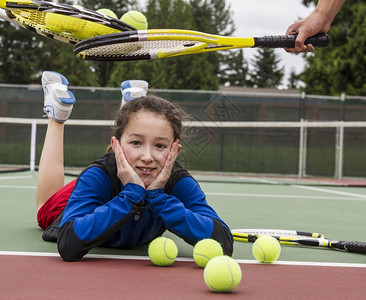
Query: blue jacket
{"points": [[103, 212]]}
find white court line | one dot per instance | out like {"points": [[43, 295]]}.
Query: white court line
{"points": [[360, 197], [282, 196], [17, 187], [305, 263], [330, 191], [243, 261], [15, 177]]}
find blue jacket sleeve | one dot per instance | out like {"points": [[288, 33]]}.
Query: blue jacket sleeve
{"points": [[187, 214], [90, 216]]}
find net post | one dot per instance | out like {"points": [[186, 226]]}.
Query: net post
{"points": [[33, 146], [340, 142], [302, 143]]}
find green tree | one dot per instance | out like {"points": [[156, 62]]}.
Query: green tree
{"points": [[186, 72], [294, 80], [59, 57], [214, 17], [24, 59], [340, 67], [234, 69], [266, 71], [17, 56]]}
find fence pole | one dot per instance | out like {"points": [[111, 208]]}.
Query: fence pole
{"points": [[302, 145], [32, 161], [340, 142]]}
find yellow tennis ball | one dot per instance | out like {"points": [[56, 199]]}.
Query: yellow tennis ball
{"points": [[162, 251], [266, 249], [222, 274], [108, 12], [205, 250], [135, 19]]}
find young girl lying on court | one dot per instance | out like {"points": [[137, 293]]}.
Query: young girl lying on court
{"points": [[130, 195]]}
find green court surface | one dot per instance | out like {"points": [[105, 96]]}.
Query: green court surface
{"points": [[337, 212]]}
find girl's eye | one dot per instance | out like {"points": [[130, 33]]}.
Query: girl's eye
{"points": [[136, 143], [160, 146]]}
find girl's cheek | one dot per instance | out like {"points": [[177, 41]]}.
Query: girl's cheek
{"points": [[128, 154], [163, 155]]}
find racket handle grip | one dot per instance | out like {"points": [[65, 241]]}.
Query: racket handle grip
{"points": [[288, 41], [353, 247]]}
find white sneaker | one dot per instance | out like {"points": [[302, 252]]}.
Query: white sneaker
{"points": [[132, 89], [58, 100]]}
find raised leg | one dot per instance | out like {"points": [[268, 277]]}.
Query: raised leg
{"points": [[57, 106]]}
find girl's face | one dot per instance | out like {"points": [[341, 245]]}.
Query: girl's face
{"points": [[146, 142]]}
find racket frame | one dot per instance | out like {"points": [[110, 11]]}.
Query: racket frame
{"points": [[285, 237], [292, 237], [200, 43]]}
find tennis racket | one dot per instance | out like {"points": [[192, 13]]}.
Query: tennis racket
{"points": [[161, 43], [291, 237], [61, 22]]}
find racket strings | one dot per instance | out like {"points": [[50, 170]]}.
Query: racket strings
{"points": [[29, 17], [142, 48], [182, 36]]}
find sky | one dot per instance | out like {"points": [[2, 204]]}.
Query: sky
{"points": [[269, 17]]}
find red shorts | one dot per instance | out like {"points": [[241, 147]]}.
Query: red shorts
{"points": [[49, 211]]}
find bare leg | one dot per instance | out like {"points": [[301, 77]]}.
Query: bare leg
{"points": [[51, 165], [57, 106]]}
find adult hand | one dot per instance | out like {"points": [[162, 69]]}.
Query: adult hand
{"points": [[318, 21], [310, 26]]}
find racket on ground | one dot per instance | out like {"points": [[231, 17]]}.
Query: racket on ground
{"points": [[161, 43], [61, 22], [291, 237]]}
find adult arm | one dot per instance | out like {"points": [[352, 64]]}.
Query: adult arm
{"points": [[319, 21]]}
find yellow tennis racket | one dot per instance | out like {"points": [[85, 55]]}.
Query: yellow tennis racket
{"points": [[162, 43], [61, 22], [292, 237]]}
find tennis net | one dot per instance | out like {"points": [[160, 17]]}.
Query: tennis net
{"points": [[330, 153]]}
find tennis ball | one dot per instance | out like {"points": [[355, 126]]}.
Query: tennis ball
{"points": [[222, 274], [135, 19], [162, 251], [205, 250], [108, 12], [266, 249]]}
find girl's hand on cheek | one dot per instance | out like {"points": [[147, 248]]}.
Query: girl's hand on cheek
{"points": [[163, 177], [125, 172]]}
